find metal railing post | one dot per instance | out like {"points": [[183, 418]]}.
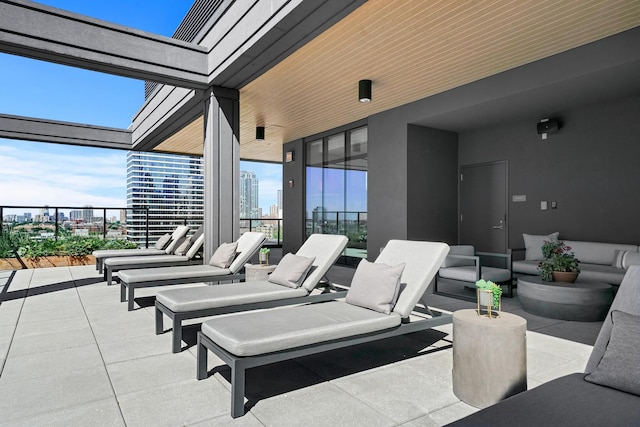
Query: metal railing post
{"points": [[147, 216], [104, 223], [55, 236]]}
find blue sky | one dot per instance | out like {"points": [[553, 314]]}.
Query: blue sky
{"points": [[35, 173]]}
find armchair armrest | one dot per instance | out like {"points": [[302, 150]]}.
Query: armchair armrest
{"points": [[507, 257], [474, 258]]}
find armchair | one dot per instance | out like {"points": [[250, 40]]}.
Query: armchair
{"points": [[466, 266]]}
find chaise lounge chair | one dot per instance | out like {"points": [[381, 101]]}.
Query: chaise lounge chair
{"points": [[247, 340], [190, 257], [183, 304], [248, 244], [606, 394], [162, 246]]}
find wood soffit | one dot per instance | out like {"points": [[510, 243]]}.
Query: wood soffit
{"points": [[410, 49]]}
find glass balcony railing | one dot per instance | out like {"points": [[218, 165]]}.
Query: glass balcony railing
{"points": [[33, 231]]}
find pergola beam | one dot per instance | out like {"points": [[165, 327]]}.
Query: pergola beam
{"points": [[41, 130], [54, 35]]}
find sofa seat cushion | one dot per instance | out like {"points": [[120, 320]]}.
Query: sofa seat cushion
{"points": [[114, 253], [468, 274], [604, 273], [596, 252], [568, 401], [526, 267], [142, 275], [225, 295], [261, 332]]}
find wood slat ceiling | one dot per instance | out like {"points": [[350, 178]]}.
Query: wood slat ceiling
{"points": [[410, 49]]}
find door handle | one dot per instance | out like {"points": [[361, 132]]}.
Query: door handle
{"points": [[498, 227]]}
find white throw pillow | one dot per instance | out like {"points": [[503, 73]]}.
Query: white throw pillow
{"points": [[184, 247], [291, 270], [375, 286], [533, 244], [163, 241], [224, 255]]}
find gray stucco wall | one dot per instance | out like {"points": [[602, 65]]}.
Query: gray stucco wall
{"points": [[293, 197], [432, 195], [591, 167]]}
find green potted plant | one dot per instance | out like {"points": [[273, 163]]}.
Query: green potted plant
{"points": [[263, 255], [558, 258], [489, 295]]}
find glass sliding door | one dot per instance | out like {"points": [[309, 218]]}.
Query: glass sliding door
{"points": [[336, 189]]}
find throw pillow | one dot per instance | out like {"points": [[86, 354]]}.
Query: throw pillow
{"points": [[533, 244], [623, 259], [163, 241], [375, 286], [224, 255], [618, 368], [184, 247], [291, 270]]}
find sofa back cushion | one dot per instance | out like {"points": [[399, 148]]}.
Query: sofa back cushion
{"points": [[450, 261], [596, 252], [533, 244]]}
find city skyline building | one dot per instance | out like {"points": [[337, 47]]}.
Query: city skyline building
{"points": [[171, 187], [249, 191]]}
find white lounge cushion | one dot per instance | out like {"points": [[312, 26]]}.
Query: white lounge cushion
{"points": [[260, 332], [145, 275], [533, 245], [224, 295], [109, 253], [141, 261], [248, 244], [326, 248], [163, 241], [375, 286], [224, 255], [291, 270]]}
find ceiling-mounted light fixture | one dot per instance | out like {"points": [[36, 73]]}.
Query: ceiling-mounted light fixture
{"points": [[260, 133], [364, 90]]}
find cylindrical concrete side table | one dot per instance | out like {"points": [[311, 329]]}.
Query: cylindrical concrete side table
{"points": [[489, 357], [257, 272]]}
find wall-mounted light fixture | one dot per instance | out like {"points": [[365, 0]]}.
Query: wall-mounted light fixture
{"points": [[364, 90], [546, 126], [260, 133]]}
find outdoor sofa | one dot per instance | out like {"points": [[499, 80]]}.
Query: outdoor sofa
{"points": [[190, 257], [165, 245], [606, 262], [192, 303], [247, 245], [606, 394], [368, 313]]}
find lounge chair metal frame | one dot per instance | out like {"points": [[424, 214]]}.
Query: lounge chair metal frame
{"points": [[178, 317], [239, 365]]}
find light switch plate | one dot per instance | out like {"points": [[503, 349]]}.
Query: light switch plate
{"points": [[543, 205]]}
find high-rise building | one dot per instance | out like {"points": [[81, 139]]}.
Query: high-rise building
{"points": [[170, 186], [249, 195]]}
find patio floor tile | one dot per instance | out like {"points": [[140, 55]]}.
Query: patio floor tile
{"points": [[40, 365], [53, 392], [102, 413]]}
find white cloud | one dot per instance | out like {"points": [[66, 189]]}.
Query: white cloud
{"points": [[36, 177]]}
